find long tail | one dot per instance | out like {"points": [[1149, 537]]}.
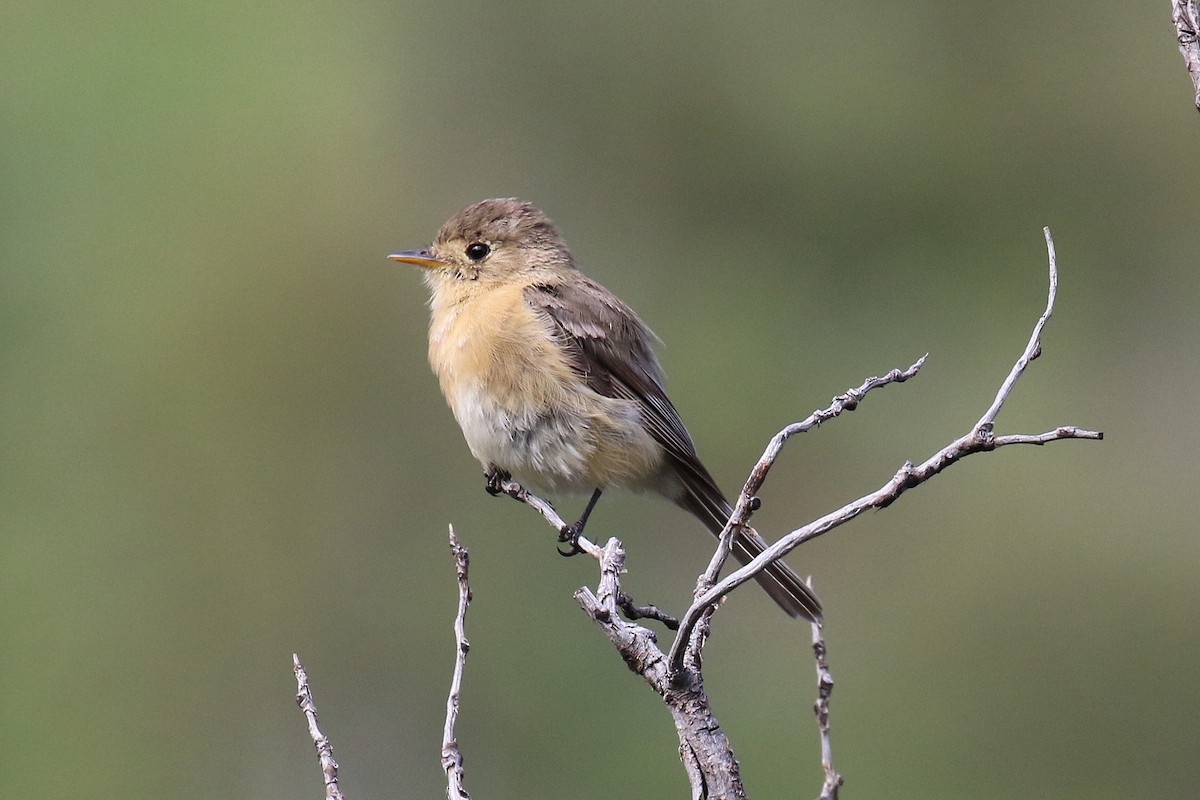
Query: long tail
{"points": [[703, 499]]}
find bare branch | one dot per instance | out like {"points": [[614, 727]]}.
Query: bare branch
{"points": [[329, 767], [452, 761], [707, 757], [518, 492], [979, 439], [1187, 23], [747, 502], [1039, 439], [829, 789], [621, 601], [1032, 350], [633, 611]]}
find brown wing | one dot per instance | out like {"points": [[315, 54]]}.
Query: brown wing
{"points": [[611, 349]]}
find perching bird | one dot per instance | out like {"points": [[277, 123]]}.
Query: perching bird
{"points": [[554, 380]]}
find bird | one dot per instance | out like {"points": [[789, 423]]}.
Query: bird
{"points": [[554, 380]]}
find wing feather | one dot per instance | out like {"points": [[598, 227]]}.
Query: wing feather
{"points": [[611, 348]]}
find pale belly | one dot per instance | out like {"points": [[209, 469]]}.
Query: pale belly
{"points": [[586, 443]]}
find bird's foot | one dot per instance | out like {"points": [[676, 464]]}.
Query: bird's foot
{"points": [[569, 535], [495, 478]]}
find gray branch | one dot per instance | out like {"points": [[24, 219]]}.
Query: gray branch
{"points": [[747, 500], [329, 767], [703, 748], [833, 781], [1187, 24], [452, 761], [978, 440]]}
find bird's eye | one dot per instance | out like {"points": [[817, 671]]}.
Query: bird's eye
{"points": [[477, 251]]}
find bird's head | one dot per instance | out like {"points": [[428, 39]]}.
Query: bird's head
{"points": [[494, 242]]}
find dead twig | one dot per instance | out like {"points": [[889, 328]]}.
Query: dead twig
{"points": [[979, 439], [833, 781], [452, 761], [329, 767], [1187, 25]]}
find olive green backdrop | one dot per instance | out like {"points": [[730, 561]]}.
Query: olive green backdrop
{"points": [[220, 443]]}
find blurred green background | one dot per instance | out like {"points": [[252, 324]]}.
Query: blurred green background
{"points": [[220, 442]]}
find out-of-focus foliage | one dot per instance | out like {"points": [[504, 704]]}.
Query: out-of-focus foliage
{"points": [[219, 441]]}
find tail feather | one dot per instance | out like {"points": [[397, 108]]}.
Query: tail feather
{"points": [[704, 500]]}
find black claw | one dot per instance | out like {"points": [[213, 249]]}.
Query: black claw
{"points": [[569, 535], [495, 480]]}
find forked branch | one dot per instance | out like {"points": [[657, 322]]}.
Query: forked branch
{"points": [[979, 439]]}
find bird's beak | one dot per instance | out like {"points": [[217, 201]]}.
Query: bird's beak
{"points": [[422, 258]]}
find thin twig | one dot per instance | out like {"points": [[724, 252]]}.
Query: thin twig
{"points": [[452, 761], [622, 601], [829, 789], [1032, 350], [747, 503], [329, 767], [1187, 24], [636, 612], [979, 439], [518, 492]]}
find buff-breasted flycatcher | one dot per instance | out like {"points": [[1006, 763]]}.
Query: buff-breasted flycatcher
{"points": [[554, 380]]}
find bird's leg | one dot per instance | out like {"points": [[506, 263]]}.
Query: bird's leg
{"points": [[570, 534], [495, 478]]}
